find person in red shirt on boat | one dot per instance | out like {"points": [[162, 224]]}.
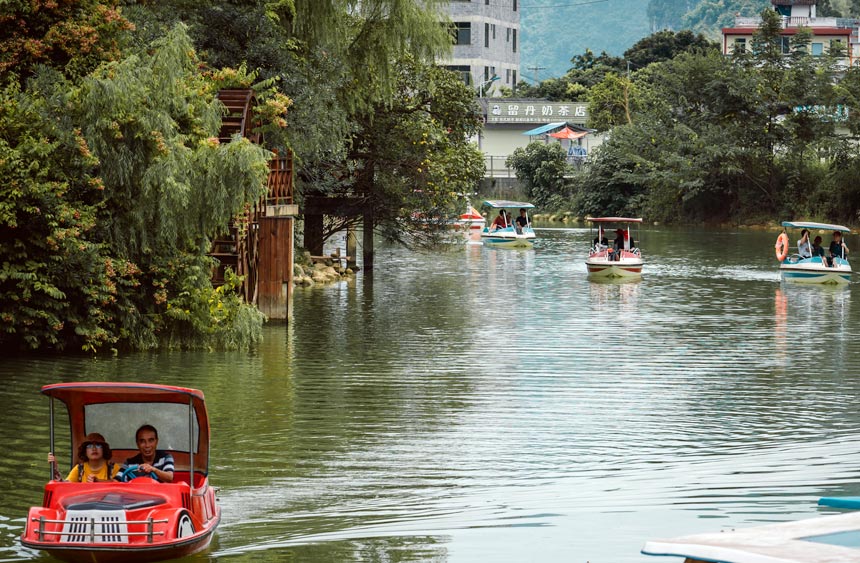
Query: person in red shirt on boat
{"points": [[94, 464], [501, 221], [150, 460]]}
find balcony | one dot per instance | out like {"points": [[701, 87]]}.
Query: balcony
{"points": [[799, 22]]}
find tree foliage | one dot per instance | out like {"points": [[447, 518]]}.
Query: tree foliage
{"points": [[711, 138], [541, 168], [115, 185]]}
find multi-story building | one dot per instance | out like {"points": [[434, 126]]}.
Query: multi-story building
{"points": [[798, 14], [486, 43]]}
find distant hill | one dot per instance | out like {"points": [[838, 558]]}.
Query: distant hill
{"points": [[553, 31], [552, 35]]}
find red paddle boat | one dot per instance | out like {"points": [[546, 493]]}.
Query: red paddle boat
{"points": [[142, 519]]}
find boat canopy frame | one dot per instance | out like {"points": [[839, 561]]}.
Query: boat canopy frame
{"points": [[814, 225], [78, 395]]}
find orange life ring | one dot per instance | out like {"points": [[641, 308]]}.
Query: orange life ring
{"points": [[781, 247]]}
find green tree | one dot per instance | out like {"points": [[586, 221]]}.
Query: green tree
{"points": [[137, 184], [666, 45], [541, 168], [413, 154], [72, 36]]}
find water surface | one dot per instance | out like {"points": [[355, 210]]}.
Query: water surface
{"points": [[495, 405]]}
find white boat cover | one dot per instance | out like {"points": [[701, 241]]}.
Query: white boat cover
{"points": [[829, 539]]}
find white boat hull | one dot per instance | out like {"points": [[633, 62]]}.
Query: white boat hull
{"points": [[600, 266], [813, 270], [509, 238]]}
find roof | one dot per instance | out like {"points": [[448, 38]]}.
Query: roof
{"points": [[614, 219], [813, 225], [544, 128], [499, 203], [101, 392], [816, 31]]}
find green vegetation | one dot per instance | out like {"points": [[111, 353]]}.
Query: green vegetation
{"points": [[115, 182], [704, 137]]}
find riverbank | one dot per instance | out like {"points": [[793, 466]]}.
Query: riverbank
{"points": [[569, 218], [308, 270]]}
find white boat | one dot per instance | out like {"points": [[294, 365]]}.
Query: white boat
{"points": [[816, 269], [609, 260], [509, 234], [827, 539]]}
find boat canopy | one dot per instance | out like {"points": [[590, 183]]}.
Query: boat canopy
{"points": [[814, 225], [500, 203], [614, 219], [116, 409]]}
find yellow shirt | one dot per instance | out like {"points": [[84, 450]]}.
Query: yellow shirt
{"points": [[101, 474]]}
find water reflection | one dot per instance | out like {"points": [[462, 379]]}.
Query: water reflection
{"points": [[490, 404]]}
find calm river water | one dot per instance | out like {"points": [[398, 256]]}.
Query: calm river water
{"points": [[495, 405]]}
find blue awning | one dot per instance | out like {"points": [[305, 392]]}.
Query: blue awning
{"points": [[544, 128]]}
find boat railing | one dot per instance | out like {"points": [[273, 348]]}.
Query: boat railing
{"points": [[85, 530]]}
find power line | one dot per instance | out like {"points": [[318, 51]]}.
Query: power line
{"points": [[537, 70]]}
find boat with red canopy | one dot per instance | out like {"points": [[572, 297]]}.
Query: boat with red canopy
{"points": [[142, 519], [609, 259]]}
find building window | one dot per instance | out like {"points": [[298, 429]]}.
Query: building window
{"points": [[464, 71], [494, 32], [836, 45], [515, 41], [486, 35], [507, 76], [740, 45], [817, 49], [786, 45], [515, 5], [486, 73], [462, 33], [508, 37], [514, 78]]}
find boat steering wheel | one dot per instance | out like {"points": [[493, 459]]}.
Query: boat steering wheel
{"points": [[133, 472]]}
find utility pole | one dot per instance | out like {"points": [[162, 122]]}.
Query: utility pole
{"points": [[536, 70]]}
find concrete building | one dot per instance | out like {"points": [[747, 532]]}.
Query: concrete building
{"points": [[486, 43], [798, 14], [510, 123]]}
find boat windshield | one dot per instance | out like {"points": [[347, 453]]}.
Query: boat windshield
{"points": [[117, 422]]}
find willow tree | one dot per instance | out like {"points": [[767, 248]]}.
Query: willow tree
{"points": [[125, 182]]}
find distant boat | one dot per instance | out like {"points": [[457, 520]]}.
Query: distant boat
{"points": [[608, 260], [811, 269], [471, 223], [510, 234], [816, 540]]}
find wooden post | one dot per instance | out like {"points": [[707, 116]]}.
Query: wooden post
{"points": [[275, 277], [351, 248], [367, 251]]}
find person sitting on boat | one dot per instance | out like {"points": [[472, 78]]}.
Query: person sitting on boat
{"points": [[522, 221], [617, 245], [600, 240], [150, 460], [500, 222], [804, 249], [94, 462], [817, 249], [837, 248]]}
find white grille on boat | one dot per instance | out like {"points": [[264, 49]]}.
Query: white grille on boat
{"points": [[99, 526]]}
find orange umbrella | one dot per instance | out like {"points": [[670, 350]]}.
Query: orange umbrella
{"points": [[568, 133]]}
